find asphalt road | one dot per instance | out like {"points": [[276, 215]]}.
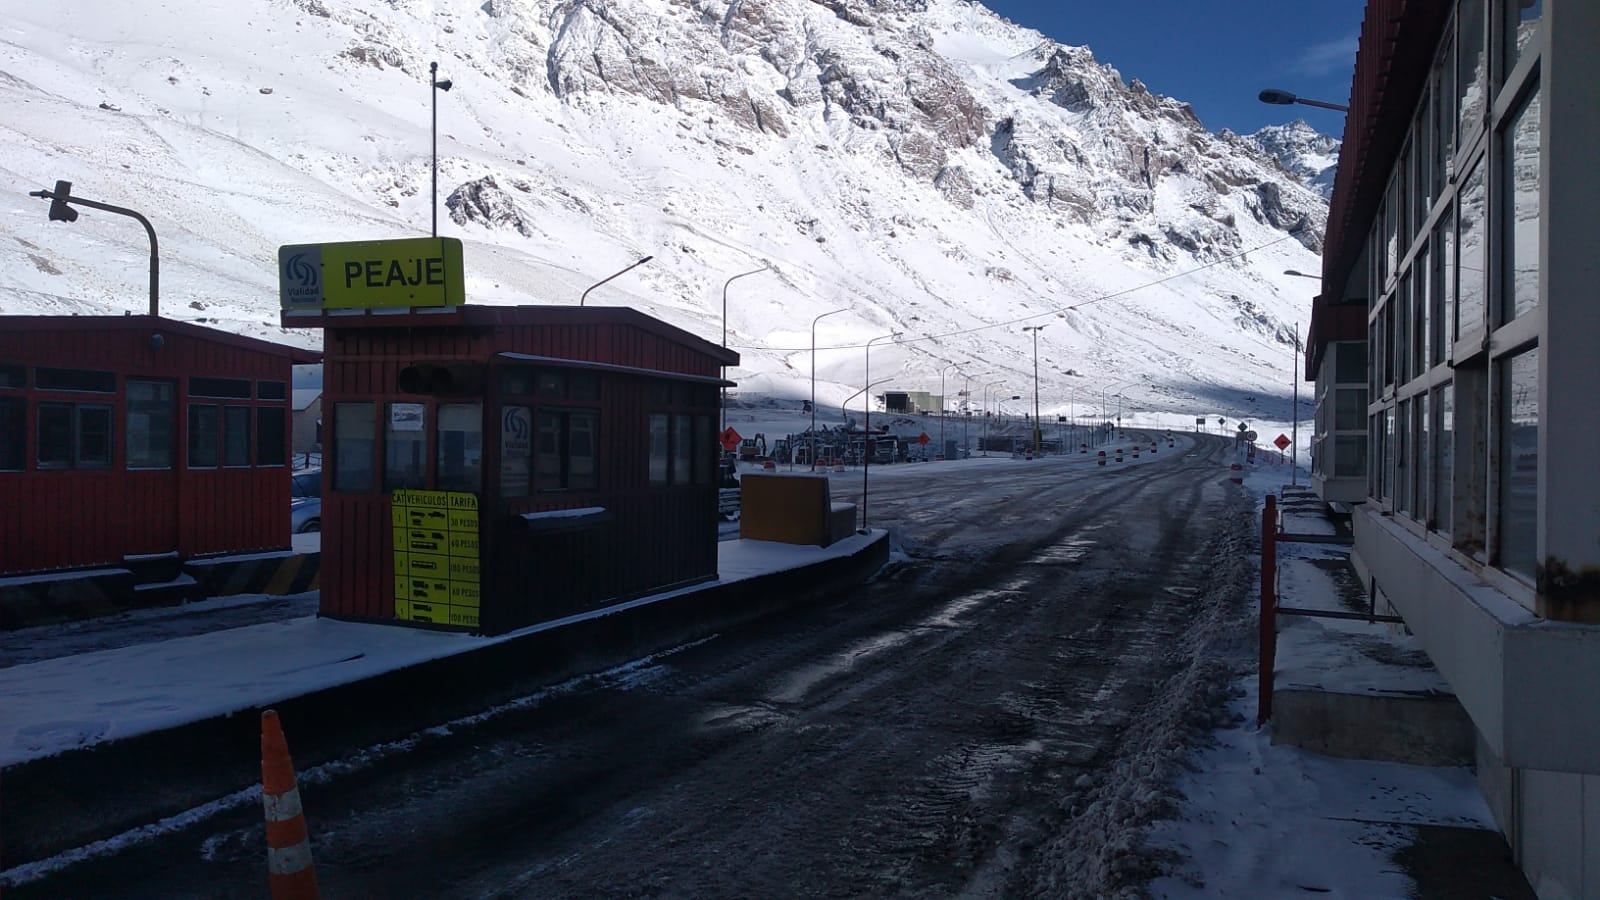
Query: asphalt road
{"points": [[996, 714]]}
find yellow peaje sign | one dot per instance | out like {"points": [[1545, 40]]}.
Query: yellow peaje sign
{"points": [[409, 272], [436, 561]]}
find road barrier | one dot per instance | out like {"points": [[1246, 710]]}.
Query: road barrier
{"points": [[290, 872], [1084, 448], [1102, 457], [1119, 454], [1237, 474]]}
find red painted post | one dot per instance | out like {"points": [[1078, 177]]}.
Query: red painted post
{"points": [[1269, 607]]}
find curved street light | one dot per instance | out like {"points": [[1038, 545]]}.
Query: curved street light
{"points": [[609, 277], [983, 442], [1278, 97], [866, 424], [1035, 329], [814, 381], [942, 404], [765, 265]]}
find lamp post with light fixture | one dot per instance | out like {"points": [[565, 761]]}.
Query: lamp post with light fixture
{"points": [[765, 265], [433, 79], [1278, 97]]}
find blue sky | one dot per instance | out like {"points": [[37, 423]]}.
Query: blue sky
{"points": [[1215, 54]]}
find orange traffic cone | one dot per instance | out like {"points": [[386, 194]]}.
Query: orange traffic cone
{"points": [[290, 873]]}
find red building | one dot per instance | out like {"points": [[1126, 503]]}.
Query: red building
{"points": [[545, 458], [136, 436]]}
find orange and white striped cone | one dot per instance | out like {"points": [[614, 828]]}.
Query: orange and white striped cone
{"points": [[290, 873]]}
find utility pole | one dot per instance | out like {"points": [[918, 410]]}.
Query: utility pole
{"points": [[1035, 329], [1294, 430]]}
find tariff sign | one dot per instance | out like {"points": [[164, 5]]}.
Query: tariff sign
{"points": [[730, 439], [1281, 441]]}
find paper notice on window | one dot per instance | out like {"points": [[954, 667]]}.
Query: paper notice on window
{"points": [[406, 416]]}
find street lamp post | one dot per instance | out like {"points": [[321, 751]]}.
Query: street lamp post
{"points": [[966, 418], [765, 265], [61, 211], [1035, 329], [984, 441], [1294, 429], [866, 427], [433, 78], [611, 276], [814, 383], [1278, 97], [943, 402]]}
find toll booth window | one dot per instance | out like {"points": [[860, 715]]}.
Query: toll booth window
{"points": [[355, 432], [13, 419], [516, 447], [74, 436], [659, 445], [236, 436], [85, 380], [460, 447], [585, 387], [222, 388], [516, 380], [405, 460], [13, 376], [203, 436], [148, 429], [272, 390], [93, 450], [704, 449], [682, 448], [551, 384], [565, 451], [271, 446]]}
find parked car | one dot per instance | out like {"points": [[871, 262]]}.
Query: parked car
{"points": [[305, 502]]}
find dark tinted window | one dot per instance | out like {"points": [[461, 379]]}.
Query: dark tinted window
{"points": [[55, 435], [236, 436], [148, 430], [306, 484], [88, 380], [272, 390], [13, 376], [13, 427], [93, 437], [203, 437], [228, 388], [270, 443]]}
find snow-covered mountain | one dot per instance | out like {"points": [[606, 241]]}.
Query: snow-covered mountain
{"points": [[934, 169], [1304, 151]]}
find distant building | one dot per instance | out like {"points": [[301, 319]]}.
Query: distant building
{"points": [[1454, 351], [306, 404], [910, 402]]}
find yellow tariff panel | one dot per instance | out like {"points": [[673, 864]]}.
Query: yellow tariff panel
{"points": [[408, 272], [436, 565]]}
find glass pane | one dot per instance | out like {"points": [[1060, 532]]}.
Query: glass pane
{"points": [[1402, 457], [271, 436], [55, 435], [1391, 221], [1350, 362], [405, 442], [1521, 23], [1419, 332], [658, 449], [94, 437], [148, 431], [1519, 462], [222, 388], [1389, 366], [1444, 117], [1472, 74], [272, 390], [1443, 452], [355, 432], [1422, 192], [1422, 453], [704, 449], [86, 380], [1522, 202], [1350, 412], [547, 452], [682, 448], [516, 447], [551, 384], [236, 436], [583, 451], [461, 447], [585, 387], [1444, 288], [13, 375], [516, 380], [1402, 329], [1388, 452], [203, 437], [1350, 455], [13, 443], [1470, 285]]}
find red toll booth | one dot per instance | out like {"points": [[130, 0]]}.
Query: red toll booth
{"points": [[491, 467], [132, 439]]}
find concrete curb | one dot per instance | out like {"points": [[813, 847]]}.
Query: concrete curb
{"points": [[1417, 729], [58, 803], [275, 574]]}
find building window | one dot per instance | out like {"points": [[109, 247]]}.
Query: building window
{"points": [[220, 388], [1388, 453], [516, 449], [460, 447], [204, 436], [1519, 462], [1402, 458], [13, 434], [1472, 70], [1350, 408], [355, 434], [1444, 116], [1400, 303], [1444, 290], [585, 387], [1350, 363], [272, 390], [271, 436], [1443, 455], [705, 449], [1419, 332], [148, 430], [1520, 24], [87, 381], [74, 436], [13, 376], [236, 436], [1520, 157], [1349, 455], [682, 448], [1421, 452], [1470, 513], [565, 451], [405, 447], [660, 442], [1470, 256]]}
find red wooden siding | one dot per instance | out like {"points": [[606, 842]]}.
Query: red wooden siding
{"points": [[73, 518]]}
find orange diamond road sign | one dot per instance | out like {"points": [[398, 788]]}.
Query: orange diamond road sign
{"points": [[923, 439], [730, 439], [1282, 441]]}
